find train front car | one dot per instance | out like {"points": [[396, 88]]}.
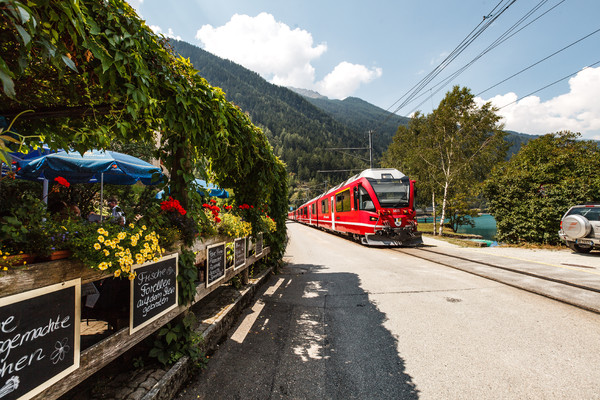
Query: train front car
{"points": [[387, 196]]}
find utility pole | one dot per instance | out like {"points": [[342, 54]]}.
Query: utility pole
{"points": [[370, 149]]}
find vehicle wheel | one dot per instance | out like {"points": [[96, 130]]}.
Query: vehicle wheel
{"points": [[578, 249]]}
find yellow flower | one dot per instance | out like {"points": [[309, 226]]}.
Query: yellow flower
{"points": [[102, 266], [131, 225], [64, 228], [121, 235], [101, 239], [117, 273], [132, 276], [144, 227], [5, 269], [106, 252], [97, 246]]}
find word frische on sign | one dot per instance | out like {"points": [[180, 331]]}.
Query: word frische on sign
{"points": [[153, 291], [39, 338]]}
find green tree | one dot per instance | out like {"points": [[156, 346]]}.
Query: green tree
{"points": [[450, 150], [529, 194]]}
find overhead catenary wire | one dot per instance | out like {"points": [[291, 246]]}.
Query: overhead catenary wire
{"points": [[551, 84], [538, 62], [488, 19], [509, 33]]}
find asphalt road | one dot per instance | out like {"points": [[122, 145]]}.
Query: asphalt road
{"points": [[344, 321]]}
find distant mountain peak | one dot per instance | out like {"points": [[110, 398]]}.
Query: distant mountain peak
{"points": [[311, 94]]}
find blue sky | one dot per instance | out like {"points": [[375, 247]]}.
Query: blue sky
{"points": [[379, 50]]}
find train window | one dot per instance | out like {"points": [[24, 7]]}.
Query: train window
{"points": [[391, 192], [342, 201], [325, 206], [364, 200], [313, 209]]}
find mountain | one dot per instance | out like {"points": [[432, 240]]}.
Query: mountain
{"points": [[517, 140], [300, 124], [299, 132], [303, 125], [363, 117]]}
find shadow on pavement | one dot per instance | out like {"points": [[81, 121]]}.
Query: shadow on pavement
{"points": [[310, 335]]}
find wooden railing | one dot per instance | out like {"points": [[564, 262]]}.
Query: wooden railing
{"points": [[98, 355]]}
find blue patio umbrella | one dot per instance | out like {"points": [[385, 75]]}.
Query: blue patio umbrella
{"points": [[91, 167], [204, 188]]}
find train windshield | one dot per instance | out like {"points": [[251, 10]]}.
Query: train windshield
{"points": [[391, 193]]}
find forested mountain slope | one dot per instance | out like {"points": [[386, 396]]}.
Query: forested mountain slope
{"points": [[297, 130], [363, 117]]}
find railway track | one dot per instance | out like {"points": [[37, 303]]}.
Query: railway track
{"points": [[572, 285]]}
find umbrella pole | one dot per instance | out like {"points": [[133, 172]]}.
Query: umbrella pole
{"points": [[45, 191], [101, 195]]}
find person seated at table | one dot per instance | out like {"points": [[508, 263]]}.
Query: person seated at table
{"points": [[116, 215]]}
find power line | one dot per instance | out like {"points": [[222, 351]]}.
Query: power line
{"points": [[487, 21], [551, 84], [538, 62], [504, 37], [476, 32]]}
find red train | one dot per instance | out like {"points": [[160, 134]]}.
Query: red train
{"points": [[375, 207]]}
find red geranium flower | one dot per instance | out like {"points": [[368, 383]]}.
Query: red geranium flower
{"points": [[62, 181]]}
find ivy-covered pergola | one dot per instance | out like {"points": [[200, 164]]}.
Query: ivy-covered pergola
{"points": [[81, 74]]}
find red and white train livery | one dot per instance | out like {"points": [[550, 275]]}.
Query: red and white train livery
{"points": [[375, 207]]}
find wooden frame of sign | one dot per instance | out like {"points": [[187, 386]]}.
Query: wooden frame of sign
{"points": [[40, 340], [216, 263], [258, 245], [239, 251], [153, 291]]}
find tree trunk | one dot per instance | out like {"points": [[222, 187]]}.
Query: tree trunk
{"points": [[443, 208], [433, 212]]}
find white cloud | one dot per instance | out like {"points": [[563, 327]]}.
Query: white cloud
{"points": [[280, 54], [576, 111], [170, 34], [345, 79]]}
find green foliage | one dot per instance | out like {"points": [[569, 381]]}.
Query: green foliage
{"points": [[188, 274], [529, 194], [23, 226], [174, 341]]}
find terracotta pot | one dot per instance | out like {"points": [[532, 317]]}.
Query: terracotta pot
{"points": [[60, 254]]}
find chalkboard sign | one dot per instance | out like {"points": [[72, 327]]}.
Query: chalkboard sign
{"points": [[215, 263], [153, 291], [239, 253], [258, 247], [39, 338]]}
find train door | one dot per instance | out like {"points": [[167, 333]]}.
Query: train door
{"points": [[333, 212]]}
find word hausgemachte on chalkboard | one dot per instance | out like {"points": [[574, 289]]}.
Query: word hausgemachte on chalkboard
{"points": [[39, 338]]}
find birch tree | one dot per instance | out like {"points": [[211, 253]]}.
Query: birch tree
{"points": [[452, 148]]}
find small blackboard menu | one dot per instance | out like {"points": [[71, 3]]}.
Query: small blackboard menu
{"points": [[39, 338], [239, 253], [258, 246], [153, 291], [215, 263]]}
